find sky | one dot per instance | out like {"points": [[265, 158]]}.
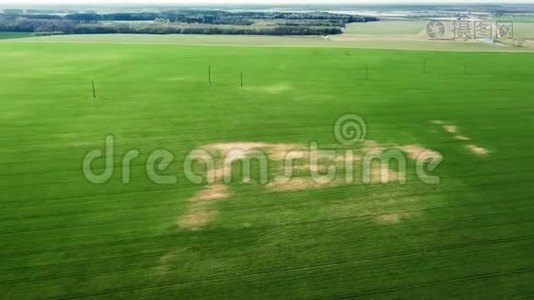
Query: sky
{"points": [[272, 2]]}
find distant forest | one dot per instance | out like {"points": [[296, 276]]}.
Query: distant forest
{"points": [[179, 22]]}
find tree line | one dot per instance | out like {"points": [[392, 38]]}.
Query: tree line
{"points": [[290, 23]]}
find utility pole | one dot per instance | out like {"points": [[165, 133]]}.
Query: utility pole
{"points": [[94, 91], [209, 74]]}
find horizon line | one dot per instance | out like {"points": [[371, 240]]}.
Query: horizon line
{"points": [[264, 3]]}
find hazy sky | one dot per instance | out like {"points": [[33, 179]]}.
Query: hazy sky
{"points": [[276, 2]]}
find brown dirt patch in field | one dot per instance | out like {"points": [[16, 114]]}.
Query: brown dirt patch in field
{"points": [[199, 215], [211, 193], [342, 157], [417, 151], [299, 184], [383, 174], [196, 218], [231, 152], [370, 145], [276, 152], [201, 212], [461, 138], [478, 150], [227, 147], [279, 152], [217, 174], [392, 218], [450, 128], [302, 167]]}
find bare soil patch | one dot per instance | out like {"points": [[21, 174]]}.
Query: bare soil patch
{"points": [[461, 138], [211, 193], [417, 151], [383, 174], [450, 128], [196, 218], [200, 214], [478, 150], [275, 151], [392, 218], [279, 152], [299, 184], [370, 145], [227, 147], [218, 174]]}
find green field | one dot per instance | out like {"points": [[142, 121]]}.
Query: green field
{"points": [[526, 18], [471, 236], [364, 41], [387, 27], [524, 30]]}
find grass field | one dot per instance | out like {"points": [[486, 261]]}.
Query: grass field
{"points": [[524, 30], [527, 18], [63, 237], [365, 41], [387, 27]]}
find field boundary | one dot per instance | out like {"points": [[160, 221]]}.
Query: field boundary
{"points": [[442, 46]]}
